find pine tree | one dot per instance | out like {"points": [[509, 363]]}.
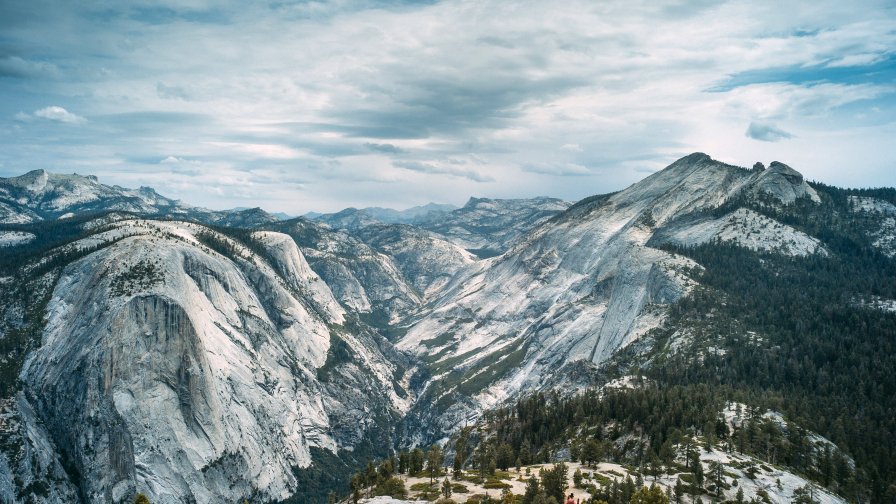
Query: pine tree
{"points": [[434, 461], [460, 452], [526, 452], [592, 452], [652, 495], [554, 481], [716, 472], [577, 478], [415, 465], [697, 469], [357, 483], [446, 488], [532, 490], [679, 491], [402, 462], [504, 456]]}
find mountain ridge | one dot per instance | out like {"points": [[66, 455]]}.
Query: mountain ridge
{"points": [[40, 195]]}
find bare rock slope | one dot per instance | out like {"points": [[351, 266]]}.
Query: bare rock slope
{"points": [[586, 284], [179, 363]]}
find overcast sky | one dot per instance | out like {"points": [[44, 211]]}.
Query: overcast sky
{"points": [[298, 106]]}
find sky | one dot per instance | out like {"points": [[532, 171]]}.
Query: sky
{"points": [[298, 106]]}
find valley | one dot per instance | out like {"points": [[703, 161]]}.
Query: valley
{"points": [[207, 356]]}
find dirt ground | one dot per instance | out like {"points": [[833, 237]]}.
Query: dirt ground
{"points": [[517, 480]]}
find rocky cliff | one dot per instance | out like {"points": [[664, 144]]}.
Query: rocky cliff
{"points": [[179, 363]]}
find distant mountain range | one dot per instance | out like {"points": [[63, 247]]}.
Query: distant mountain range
{"points": [[213, 356], [355, 218]]}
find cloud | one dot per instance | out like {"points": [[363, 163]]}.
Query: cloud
{"points": [[564, 170], [432, 168], [53, 113], [384, 147], [766, 132], [183, 166], [171, 92], [15, 66], [351, 97], [58, 114]]}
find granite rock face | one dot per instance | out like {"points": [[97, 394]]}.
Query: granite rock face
{"points": [[191, 375], [783, 183], [427, 260], [586, 284], [362, 278]]}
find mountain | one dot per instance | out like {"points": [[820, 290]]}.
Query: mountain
{"points": [[363, 279], [207, 359], [39, 195], [426, 259], [486, 227], [180, 360], [354, 218], [586, 284]]}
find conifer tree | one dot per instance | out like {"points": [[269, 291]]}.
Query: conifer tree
{"points": [[434, 461]]}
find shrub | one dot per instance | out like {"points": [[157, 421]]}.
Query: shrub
{"points": [[392, 487]]}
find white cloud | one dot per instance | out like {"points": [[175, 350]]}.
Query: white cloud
{"points": [[440, 169], [391, 105], [53, 113], [563, 170]]}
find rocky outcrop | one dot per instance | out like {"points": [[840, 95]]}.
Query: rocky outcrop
{"points": [[783, 183], [742, 227]]}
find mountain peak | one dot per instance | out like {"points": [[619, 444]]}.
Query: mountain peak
{"points": [[785, 171], [784, 183], [473, 201], [696, 156], [33, 181], [40, 172], [693, 181]]}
